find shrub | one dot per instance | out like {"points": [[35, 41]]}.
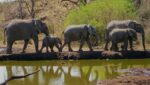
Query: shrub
{"points": [[100, 12]]}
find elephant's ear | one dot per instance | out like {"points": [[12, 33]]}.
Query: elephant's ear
{"points": [[131, 32], [89, 29], [37, 24], [132, 24]]}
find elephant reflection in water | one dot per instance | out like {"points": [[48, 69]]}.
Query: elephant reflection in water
{"points": [[82, 80], [49, 74], [52, 73]]}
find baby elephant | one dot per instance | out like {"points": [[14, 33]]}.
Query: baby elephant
{"points": [[122, 35], [50, 42]]}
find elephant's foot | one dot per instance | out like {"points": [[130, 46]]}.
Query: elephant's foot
{"points": [[106, 49], [60, 50], [80, 50], [122, 47], [9, 52], [91, 49], [47, 51], [70, 50], [52, 51], [23, 52], [131, 49], [40, 51]]}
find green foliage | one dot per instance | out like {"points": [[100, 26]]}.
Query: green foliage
{"points": [[100, 12]]}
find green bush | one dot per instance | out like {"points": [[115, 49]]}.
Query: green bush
{"points": [[98, 13]]}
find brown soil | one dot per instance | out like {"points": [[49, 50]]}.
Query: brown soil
{"points": [[17, 48], [133, 76], [110, 54]]}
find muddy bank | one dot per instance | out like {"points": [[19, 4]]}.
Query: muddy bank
{"points": [[134, 76], [78, 55]]}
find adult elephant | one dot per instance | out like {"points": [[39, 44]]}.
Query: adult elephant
{"points": [[124, 24], [80, 33], [24, 30]]}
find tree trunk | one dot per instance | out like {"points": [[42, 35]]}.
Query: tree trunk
{"points": [[32, 9]]}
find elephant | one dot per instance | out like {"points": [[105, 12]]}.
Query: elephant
{"points": [[26, 29], [122, 35], [124, 24], [80, 33], [51, 41]]}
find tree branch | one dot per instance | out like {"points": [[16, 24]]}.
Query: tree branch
{"points": [[74, 2], [18, 77]]}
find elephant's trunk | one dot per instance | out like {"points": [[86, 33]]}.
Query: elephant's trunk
{"points": [[97, 39], [143, 40]]}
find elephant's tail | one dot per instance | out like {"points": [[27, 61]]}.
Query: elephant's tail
{"points": [[4, 42]]}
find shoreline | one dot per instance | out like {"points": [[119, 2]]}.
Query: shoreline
{"points": [[76, 55]]}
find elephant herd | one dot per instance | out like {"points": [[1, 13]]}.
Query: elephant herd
{"points": [[117, 31]]}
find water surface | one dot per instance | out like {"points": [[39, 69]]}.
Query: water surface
{"points": [[78, 72]]}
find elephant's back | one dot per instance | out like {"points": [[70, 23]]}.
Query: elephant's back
{"points": [[73, 28], [19, 29], [73, 32], [17, 22], [118, 34], [49, 40], [118, 24]]}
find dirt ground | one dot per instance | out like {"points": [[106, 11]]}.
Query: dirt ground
{"points": [[18, 46], [133, 76]]}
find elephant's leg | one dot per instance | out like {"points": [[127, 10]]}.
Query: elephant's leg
{"points": [[63, 46], [81, 45], [69, 46], [131, 44], [9, 47], [111, 48], [125, 45], [47, 49], [122, 47], [41, 48], [106, 45], [36, 42], [107, 40], [114, 46], [57, 46], [89, 45], [51, 47], [25, 45]]}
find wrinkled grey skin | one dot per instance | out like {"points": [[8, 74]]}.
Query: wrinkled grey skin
{"points": [[24, 30], [50, 42], [122, 36], [79, 33], [124, 24]]}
